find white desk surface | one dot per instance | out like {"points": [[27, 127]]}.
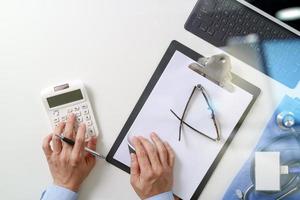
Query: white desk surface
{"points": [[114, 47]]}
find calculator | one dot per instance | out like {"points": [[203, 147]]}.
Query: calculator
{"points": [[71, 97]]}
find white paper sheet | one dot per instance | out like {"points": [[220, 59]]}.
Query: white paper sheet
{"points": [[194, 153]]}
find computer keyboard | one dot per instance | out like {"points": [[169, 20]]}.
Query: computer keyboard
{"points": [[216, 21], [219, 21]]}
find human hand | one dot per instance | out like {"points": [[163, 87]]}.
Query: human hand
{"points": [[151, 166], [69, 165]]}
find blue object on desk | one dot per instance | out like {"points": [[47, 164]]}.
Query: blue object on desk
{"points": [[273, 139], [281, 60]]}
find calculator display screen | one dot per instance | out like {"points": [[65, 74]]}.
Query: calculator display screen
{"points": [[65, 98]]}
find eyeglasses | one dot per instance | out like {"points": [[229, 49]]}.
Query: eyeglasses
{"points": [[213, 116]]}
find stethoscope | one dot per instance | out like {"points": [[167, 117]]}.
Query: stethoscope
{"points": [[286, 122]]}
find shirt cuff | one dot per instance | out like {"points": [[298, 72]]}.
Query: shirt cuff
{"points": [[54, 192], [162, 196]]}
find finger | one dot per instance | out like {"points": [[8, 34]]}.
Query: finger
{"points": [[46, 145], [92, 143], [78, 149], [134, 169], [90, 159], [69, 129], [141, 154], [162, 151], [152, 153], [56, 142], [171, 154]]}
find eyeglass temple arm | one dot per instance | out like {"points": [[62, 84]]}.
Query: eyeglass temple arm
{"points": [[183, 114], [213, 116]]}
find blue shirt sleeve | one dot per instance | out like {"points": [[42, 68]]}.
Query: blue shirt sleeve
{"points": [[54, 192], [162, 196]]}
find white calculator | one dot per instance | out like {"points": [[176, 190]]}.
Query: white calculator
{"points": [[70, 97]]}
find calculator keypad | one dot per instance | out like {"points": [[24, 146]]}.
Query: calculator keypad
{"points": [[82, 114]]}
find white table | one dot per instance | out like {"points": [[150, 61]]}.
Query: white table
{"points": [[114, 47]]}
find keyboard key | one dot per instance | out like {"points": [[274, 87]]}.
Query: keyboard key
{"points": [[217, 16], [240, 21], [226, 13], [70, 110], [211, 31], [203, 27], [238, 29], [79, 119], [89, 123], [219, 35], [217, 25], [224, 21], [254, 20], [196, 23], [245, 32], [87, 117], [85, 112], [254, 29], [247, 16], [78, 114], [56, 120], [230, 34], [91, 131], [84, 106], [56, 113]]}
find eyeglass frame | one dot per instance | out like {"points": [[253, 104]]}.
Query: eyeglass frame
{"points": [[210, 107]]}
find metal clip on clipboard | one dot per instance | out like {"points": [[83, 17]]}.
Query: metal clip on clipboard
{"points": [[216, 68]]}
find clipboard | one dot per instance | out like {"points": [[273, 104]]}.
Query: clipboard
{"points": [[173, 48]]}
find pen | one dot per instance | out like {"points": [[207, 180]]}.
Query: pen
{"points": [[72, 143]]}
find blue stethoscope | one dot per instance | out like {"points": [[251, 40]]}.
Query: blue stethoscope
{"points": [[286, 122]]}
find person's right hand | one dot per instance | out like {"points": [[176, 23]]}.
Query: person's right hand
{"points": [[69, 165], [151, 166]]}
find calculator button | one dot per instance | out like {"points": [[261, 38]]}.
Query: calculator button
{"points": [[78, 114], [85, 112], [87, 117], [56, 120], [70, 110], [91, 131], [89, 123], [64, 118], [79, 119], [84, 106], [56, 113], [76, 108]]}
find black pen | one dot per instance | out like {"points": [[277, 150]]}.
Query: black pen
{"points": [[72, 143]]}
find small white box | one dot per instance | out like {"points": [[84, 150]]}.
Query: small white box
{"points": [[267, 171]]}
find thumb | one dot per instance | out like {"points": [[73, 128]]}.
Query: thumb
{"points": [[134, 169]]}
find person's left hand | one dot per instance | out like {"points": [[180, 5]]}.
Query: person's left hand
{"points": [[69, 165]]}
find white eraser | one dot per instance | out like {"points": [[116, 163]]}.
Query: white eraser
{"points": [[267, 171]]}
